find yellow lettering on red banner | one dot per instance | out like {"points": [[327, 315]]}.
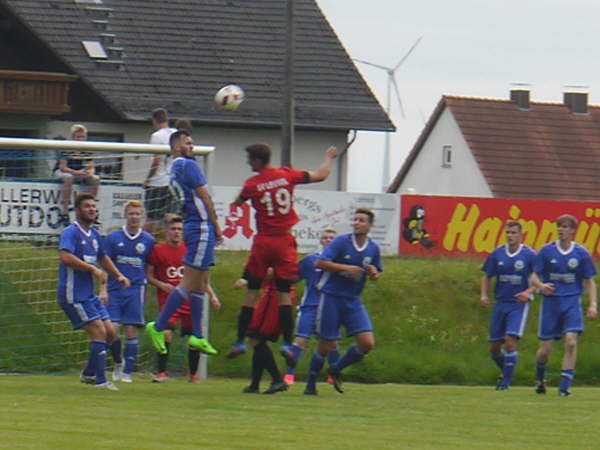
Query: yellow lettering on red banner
{"points": [[486, 235], [460, 227]]}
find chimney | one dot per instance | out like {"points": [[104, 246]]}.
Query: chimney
{"points": [[576, 99], [519, 95]]}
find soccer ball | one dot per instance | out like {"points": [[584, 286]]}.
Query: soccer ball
{"points": [[229, 97]]}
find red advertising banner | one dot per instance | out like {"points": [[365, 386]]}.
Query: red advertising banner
{"points": [[432, 225]]}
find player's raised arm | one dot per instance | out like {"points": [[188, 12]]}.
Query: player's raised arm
{"points": [[323, 171]]}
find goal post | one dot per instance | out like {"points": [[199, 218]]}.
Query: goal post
{"points": [[35, 335]]}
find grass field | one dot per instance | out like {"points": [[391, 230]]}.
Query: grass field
{"points": [[59, 412]]}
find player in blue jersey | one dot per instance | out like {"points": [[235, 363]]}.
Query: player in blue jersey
{"points": [[201, 232], [346, 263], [511, 266], [80, 249], [306, 320], [561, 271], [129, 248]]}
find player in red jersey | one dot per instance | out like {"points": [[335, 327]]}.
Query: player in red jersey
{"points": [[263, 327], [271, 194], [164, 270]]}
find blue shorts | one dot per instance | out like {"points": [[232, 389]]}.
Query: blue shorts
{"points": [[508, 318], [335, 311], [126, 306], [306, 322], [560, 315], [200, 244], [82, 313]]}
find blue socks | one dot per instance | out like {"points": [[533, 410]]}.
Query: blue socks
{"points": [[499, 360], [353, 355], [131, 351], [98, 354], [196, 305], [334, 356], [540, 371], [297, 354], [510, 361], [115, 349], [566, 379], [316, 365], [174, 302]]}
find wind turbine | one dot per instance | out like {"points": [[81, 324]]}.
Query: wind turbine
{"points": [[391, 71]]}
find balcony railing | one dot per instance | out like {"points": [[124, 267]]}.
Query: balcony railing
{"points": [[34, 92]]}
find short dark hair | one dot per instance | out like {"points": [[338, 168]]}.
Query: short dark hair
{"points": [[176, 136], [83, 197], [160, 115], [184, 124], [514, 223], [174, 219], [260, 152], [567, 219], [366, 212]]}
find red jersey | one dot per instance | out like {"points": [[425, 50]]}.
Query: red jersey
{"points": [[168, 266], [271, 193]]}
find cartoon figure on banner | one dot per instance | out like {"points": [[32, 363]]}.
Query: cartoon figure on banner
{"points": [[413, 228], [236, 220]]}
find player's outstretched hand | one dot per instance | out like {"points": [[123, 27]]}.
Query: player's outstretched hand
{"points": [[592, 313], [100, 275], [547, 288], [332, 152], [241, 283], [124, 281]]}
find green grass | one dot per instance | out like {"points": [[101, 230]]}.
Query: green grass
{"points": [[59, 412]]}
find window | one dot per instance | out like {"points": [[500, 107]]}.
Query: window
{"points": [[19, 163], [447, 156]]}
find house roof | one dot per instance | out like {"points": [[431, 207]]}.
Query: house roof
{"points": [[177, 54], [544, 152]]}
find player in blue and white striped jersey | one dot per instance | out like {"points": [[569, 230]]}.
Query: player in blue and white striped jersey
{"points": [[80, 249], [201, 233], [129, 248], [562, 270], [346, 263], [511, 265]]}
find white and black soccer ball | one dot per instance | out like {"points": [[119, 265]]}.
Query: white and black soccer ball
{"points": [[229, 97]]}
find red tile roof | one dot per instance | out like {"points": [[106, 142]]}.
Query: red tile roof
{"points": [[545, 152]]}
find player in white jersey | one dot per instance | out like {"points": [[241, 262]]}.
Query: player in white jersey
{"points": [[80, 249]]}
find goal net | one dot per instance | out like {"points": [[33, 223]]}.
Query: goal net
{"points": [[35, 335]]}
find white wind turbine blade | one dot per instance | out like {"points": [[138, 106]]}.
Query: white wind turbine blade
{"points": [[408, 53], [387, 69]]}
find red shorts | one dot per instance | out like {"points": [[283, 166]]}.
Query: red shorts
{"points": [[265, 318], [279, 252]]}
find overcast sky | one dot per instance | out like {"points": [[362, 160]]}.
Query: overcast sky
{"points": [[469, 47]]}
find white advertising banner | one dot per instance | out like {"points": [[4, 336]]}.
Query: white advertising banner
{"points": [[35, 208], [317, 210]]}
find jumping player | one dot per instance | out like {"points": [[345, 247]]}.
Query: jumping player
{"points": [[511, 265], [561, 270], [165, 271], [80, 248], [201, 232], [306, 320], [346, 263], [271, 193], [128, 248]]}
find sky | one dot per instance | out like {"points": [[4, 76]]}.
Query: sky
{"points": [[469, 47]]}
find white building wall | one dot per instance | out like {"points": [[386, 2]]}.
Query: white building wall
{"points": [[428, 175], [229, 163]]}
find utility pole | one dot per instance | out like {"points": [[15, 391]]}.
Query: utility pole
{"points": [[288, 119]]}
